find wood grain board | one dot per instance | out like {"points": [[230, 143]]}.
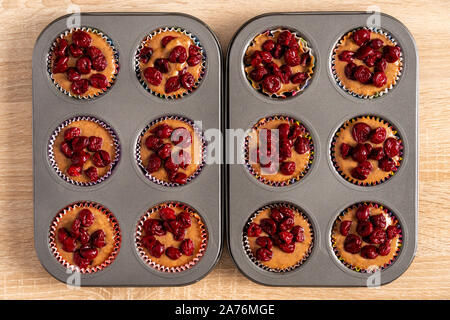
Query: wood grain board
{"points": [[21, 275]]}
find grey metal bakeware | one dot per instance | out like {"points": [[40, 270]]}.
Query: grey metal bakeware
{"points": [[128, 108], [322, 107]]}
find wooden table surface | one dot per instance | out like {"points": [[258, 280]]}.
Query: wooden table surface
{"points": [[21, 275]]}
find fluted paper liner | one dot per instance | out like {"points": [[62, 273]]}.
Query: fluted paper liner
{"points": [[303, 45], [138, 70], [108, 40], [341, 85], [246, 243], [140, 234], [66, 177], [260, 177], [53, 234], [394, 222], [333, 151], [199, 134]]}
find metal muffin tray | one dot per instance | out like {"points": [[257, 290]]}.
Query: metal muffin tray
{"points": [[322, 107], [128, 108]]}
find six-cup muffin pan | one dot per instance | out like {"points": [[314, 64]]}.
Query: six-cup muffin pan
{"points": [[322, 107], [126, 108]]}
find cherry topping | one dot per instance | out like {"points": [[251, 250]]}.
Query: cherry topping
{"points": [[391, 53], [75, 51], [84, 65], [360, 132], [154, 227], [148, 241], [360, 172], [287, 224], [80, 261], [157, 250], [392, 232], [369, 252], [84, 237], [154, 163], [386, 164], [172, 84], [74, 171], [167, 213], [254, 230], [291, 57], [298, 233], [381, 65], [187, 247], [93, 52], [86, 217], [178, 55], [268, 45], [173, 253], [73, 74], [376, 44], [184, 219], [364, 228], [69, 244], [194, 60], [363, 213], [349, 70], [81, 39], [61, 49], [62, 234], [285, 236], [153, 143], [302, 145], [364, 52], [98, 239], [359, 153], [361, 36], [258, 73], [66, 149], [345, 227], [391, 147], [299, 77], [379, 79], [60, 65], [166, 40], [271, 83], [287, 247], [145, 54], [378, 236], [165, 151], [89, 253], [346, 56], [362, 74], [162, 65], [263, 254], [180, 178], [268, 226], [264, 242], [101, 159], [379, 220], [377, 154], [284, 38], [99, 63], [92, 173], [99, 81], [287, 168], [80, 86], [352, 243], [153, 76], [187, 81], [384, 248]]}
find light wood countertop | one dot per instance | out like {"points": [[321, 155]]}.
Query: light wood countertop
{"points": [[21, 275]]}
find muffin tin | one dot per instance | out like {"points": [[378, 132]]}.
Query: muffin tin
{"points": [[322, 107], [128, 108]]}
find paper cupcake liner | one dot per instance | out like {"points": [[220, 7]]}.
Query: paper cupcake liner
{"points": [[149, 175], [246, 243], [349, 178], [395, 221], [67, 178], [140, 233], [262, 179], [108, 40], [336, 76], [305, 47], [137, 68], [53, 234]]}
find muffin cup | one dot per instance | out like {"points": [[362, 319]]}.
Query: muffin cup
{"points": [[161, 182], [139, 72], [108, 40], [341, 85], [53, 234], [246, 243], [310, 70], [140, 233], [261, 178], [67, 178], [357, 269], [333, 151]]}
